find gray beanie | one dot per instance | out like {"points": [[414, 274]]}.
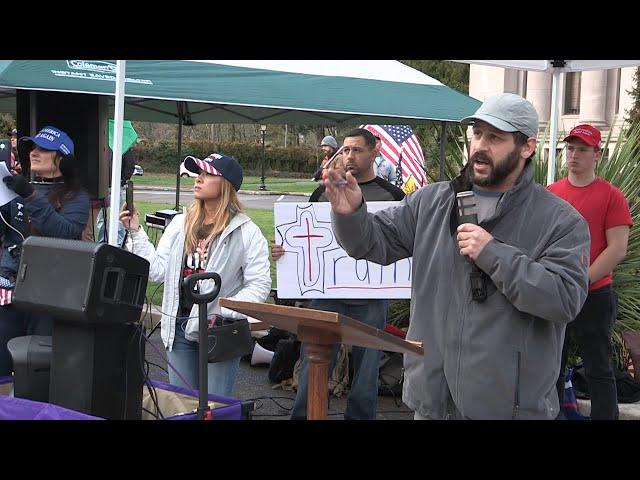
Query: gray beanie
{"points": [[329, 141]]}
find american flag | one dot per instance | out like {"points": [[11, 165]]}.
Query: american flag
{"points": [[6, 296], [396, 139]]}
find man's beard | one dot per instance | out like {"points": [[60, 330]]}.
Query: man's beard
{"points": [[497, 173]]}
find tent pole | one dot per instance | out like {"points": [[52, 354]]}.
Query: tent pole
{"points": [[443, 138], [180, 107], [553, 129], [116, 164]]}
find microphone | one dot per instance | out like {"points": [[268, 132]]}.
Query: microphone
{"points": [[468, 213], [467, 209]]}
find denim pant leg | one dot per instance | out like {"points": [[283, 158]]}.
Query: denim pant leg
{"points": [[222, 376], [184, 358], [121, 229], [592, 328], [12, 324], [101, 224], [299, 410], [362, 402]]}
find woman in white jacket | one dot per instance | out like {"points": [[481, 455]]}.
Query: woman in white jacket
{"points": [[213, 236]]}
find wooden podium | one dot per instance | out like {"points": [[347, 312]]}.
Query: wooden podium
{"points": [[320, 331]]}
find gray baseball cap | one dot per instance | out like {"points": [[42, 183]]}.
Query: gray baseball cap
{"points": [[507, 112]]}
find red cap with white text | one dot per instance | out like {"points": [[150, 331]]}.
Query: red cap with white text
{"points": [[588, 134]]}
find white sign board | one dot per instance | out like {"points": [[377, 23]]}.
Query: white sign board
{"points": [[314, 265], [6, 195]]}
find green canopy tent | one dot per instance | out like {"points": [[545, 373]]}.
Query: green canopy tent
{"points": [[304, 92], [320, 92]]}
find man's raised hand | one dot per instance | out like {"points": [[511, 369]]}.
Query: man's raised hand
{"points": [[342, 191]]}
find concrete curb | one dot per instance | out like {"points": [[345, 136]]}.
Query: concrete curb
{"points": [[246, 192]]}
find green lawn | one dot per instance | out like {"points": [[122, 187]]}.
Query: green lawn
{"points": [[250, 183], [262, 217]]}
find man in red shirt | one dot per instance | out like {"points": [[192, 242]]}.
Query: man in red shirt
{"points": [[606, 210]]}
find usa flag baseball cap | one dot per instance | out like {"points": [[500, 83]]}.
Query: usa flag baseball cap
{"points": [[218, 165]]}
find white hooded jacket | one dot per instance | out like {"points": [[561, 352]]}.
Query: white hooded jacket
{"points": [[240, 256]]}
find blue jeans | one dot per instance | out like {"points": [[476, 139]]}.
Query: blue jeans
{"points": [[362, 401], [184, 358], [592, 331], [100, 221], [14, 323]]}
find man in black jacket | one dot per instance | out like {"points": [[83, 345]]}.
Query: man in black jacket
{"points": [[359, 153]]}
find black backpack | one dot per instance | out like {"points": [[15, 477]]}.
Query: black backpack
{"points": [[284, 359], [627, 387], [271, 339]]}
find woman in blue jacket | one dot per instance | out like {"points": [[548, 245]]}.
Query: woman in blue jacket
{"points": [[52, 205]]}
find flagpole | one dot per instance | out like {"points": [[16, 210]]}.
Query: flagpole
{"points": [[399, 180], [551, 158], [116, 165], [443, 139]]}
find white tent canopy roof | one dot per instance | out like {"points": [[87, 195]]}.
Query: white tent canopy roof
{"points": [[385, 70]]}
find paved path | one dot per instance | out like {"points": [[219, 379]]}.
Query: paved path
{"points": [[272, 404], [248, 200]]}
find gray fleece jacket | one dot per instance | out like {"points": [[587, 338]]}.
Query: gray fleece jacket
{"points": [[498, 359]]}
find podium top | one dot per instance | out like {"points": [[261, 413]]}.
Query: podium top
{"points": [[350, 331]]}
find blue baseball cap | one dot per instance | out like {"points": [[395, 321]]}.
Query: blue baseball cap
{"points": [[219, 165], [52, 138]]}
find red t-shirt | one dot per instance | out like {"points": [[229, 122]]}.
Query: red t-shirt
{"points": [[603, 206]]}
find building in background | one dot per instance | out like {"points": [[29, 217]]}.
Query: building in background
{"points": [[597, 97]]}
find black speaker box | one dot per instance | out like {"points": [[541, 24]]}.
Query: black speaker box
{"points": [[98, 369], [80, 281], [95, 292]]}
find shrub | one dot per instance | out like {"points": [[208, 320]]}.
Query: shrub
{"points": [[162, 156]]}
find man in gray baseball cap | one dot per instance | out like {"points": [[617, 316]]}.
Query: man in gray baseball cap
{"points": [[513, 261], [509, 113], [504, 127]]}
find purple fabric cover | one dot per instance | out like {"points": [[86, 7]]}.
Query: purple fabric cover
{"points": [[22, 409], [12, 408]]}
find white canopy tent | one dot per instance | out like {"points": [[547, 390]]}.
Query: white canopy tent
{"points": [[555, 67]]}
